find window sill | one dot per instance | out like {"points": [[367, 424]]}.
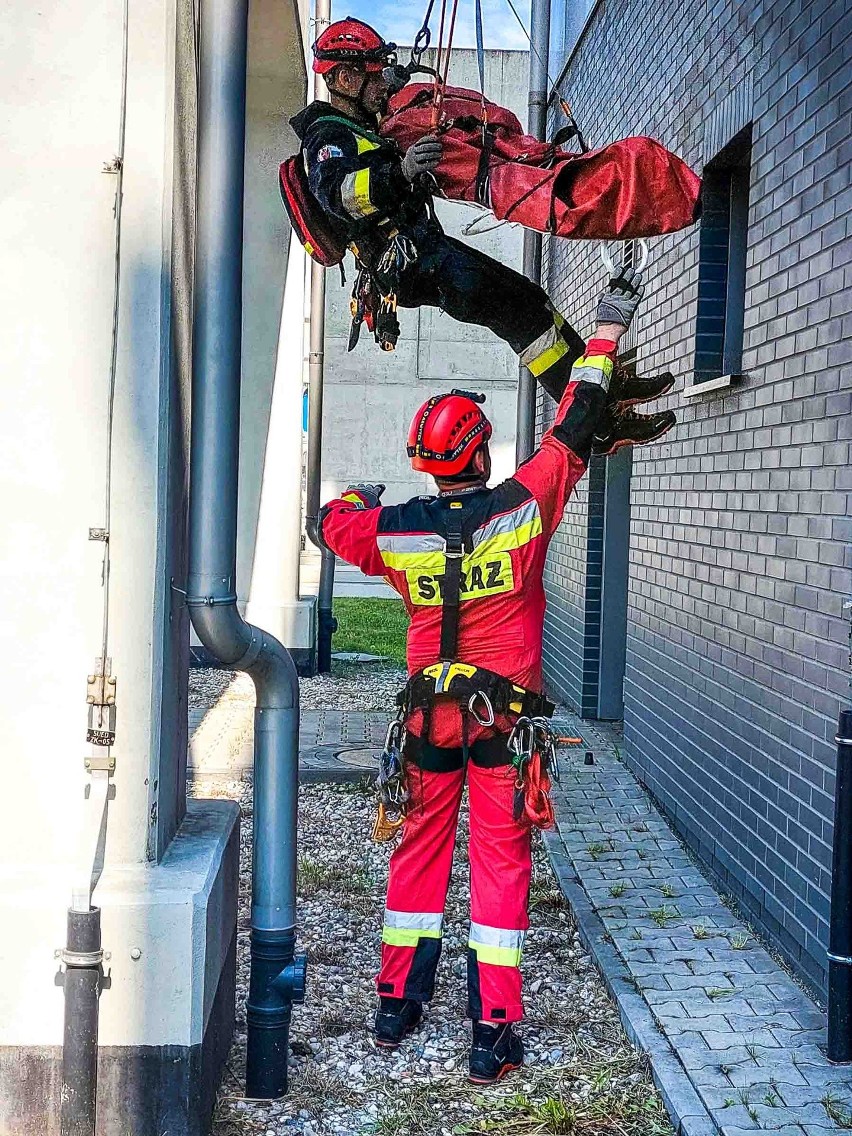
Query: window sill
{"points": [[710, 386]]}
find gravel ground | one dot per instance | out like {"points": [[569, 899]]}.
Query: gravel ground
{"points": [[582, 1077], [350, 686], [207, 685]]}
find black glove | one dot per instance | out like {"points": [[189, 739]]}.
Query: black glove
{"points": [[620, 299], [371, 493], [422, 157]]}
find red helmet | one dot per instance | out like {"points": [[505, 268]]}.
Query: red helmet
{"points": [[354, 42], [446, 432]]}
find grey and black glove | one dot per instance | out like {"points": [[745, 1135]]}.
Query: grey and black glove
{"points": [[422, 157], [620, 299], [370, 493]]}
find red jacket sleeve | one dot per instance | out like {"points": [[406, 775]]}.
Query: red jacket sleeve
{"points": [[348, 526], [563, 455]]}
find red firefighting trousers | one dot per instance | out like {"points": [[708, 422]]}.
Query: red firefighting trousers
{"points": [[500, 866]]}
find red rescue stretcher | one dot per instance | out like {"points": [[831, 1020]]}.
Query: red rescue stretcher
{"points": [[631, 188]]}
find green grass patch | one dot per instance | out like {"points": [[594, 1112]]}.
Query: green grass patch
{"points": [[374, 626]]}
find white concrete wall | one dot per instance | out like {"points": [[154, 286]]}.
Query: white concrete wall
{"points": [[60, 90], [370, 395]]}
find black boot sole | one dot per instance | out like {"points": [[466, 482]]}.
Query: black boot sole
{"points": [[622, 442], [509, 1067], [626, 402], [383, 1043]]}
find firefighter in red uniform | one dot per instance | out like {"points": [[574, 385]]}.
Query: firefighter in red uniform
{"points": [[380, 202], [468, 564]]}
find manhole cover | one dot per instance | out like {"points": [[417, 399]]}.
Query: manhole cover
{"points": [[360, 758]]}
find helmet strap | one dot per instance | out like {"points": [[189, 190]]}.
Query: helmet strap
{"points": [[361, 113]]}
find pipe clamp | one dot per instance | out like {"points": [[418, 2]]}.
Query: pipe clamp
{"points": [[81, 959], [211, 601]]}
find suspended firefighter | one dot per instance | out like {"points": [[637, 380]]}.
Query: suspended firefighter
{"points": [[468, 564], [351, 188]]}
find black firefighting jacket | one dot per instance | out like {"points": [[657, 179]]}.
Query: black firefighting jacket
{"points": [[356, 176]]}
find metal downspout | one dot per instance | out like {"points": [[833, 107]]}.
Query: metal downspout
{"points": [[277, 975], [537, 127], [326, 623]]}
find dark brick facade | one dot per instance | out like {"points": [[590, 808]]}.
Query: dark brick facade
{"points": [[737, 638]]}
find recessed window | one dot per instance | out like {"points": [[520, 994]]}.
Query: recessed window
{"points": [[722, 261]]}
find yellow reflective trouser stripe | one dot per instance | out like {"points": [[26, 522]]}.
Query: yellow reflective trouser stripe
{"points": [[547, 358], [595, 369], [497, 956], [407, 936], [500, 946]]}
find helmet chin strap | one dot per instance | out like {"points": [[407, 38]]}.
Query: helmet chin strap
{"points": [[355, 100]]}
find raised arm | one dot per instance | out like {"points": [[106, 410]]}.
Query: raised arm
{"points": [[561, 459]]}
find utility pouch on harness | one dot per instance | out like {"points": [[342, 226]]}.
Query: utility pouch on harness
{"points": [[323, 240]]}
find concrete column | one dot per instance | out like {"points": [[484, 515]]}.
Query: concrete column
{"points": [[274, 602]]}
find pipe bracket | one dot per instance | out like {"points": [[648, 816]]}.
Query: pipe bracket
{"points": [[81, 959], [211, 601]]}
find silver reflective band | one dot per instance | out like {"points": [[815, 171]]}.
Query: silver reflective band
{"points": [[496, 936], [414, 920], [419, 542], [595, 375], [538, 347], [524, 515]]}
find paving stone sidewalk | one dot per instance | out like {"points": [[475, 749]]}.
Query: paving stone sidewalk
{"points": [[735, 1043]]}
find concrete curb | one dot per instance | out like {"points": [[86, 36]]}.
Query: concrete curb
{"points": [[686, 1109]]}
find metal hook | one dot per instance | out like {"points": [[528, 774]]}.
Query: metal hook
{"points": [[609, 262]]}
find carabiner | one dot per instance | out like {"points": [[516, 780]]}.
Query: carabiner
{"points": [[480, 694], [609, 262]]}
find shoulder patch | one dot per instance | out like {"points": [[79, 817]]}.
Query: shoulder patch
{"points": [[326, 152]]}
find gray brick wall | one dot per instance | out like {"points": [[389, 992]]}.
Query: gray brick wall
{"points": [[737, 651]]}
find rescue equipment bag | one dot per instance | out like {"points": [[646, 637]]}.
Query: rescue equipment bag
{"points": [[322, 238], [631, 188]]}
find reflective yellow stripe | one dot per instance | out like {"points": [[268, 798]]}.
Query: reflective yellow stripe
{"points": [[355, 194], [364, 144], [506, 541], [507, 522], [407, 936], [434, 562], [602, 362], [496, 945], [353, 499], [362, 193], [423, 561], [547, 358], [497, 956]]}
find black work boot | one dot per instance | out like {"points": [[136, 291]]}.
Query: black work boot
{"points": [[495, 1052], [395, 1019], [627, 389], [625, 428]]}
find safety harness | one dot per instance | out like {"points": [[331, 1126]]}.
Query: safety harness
{"points": [[481, 695]]}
